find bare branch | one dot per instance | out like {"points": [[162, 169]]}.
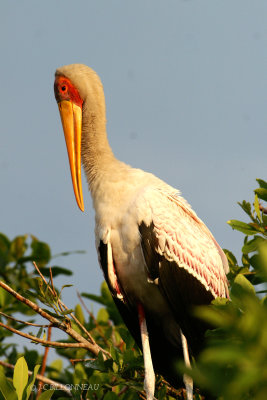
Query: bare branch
{"points": [[43, 341], [61, 304], [93, 318], [81, 341], [79, 324], [123, 390], [75, 360], [23, 322], [263, 209], [51, 280]]}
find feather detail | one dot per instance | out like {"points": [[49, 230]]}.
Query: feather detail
{"points": [[181, 237], [108, 267]]}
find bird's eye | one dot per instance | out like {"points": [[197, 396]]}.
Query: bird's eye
{"points": [[63, 88]]}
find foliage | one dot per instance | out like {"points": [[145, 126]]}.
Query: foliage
{"points": [[20, 387], [95, 378], [232, 365]]}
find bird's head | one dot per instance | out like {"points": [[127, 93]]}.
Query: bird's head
{"points": [[77, 88]]}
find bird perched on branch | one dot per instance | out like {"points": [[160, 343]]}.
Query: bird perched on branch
{"points": [[158, 258]]}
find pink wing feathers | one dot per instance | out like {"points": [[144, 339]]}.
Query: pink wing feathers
{"points": [[181, 237]]}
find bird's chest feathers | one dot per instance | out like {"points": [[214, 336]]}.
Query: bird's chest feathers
{"points": [[119, 231], [117, 225]]}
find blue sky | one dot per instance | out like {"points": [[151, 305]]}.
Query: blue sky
{"points": [[186, 90]]}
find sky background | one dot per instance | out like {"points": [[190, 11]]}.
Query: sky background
{"points": [[186, 93]]}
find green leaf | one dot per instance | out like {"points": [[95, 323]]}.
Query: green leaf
{"points": [[3, 297], [6, 388], [20, 376], [264, 219], [162, 393], [79, 313], [210, 315], [99, 364], [126, 337], [56, 271], [94, 297], [262, 183], [4, 242], [220, 301], [246, 206], [110, 396], [46, 395], [65, 286], [247, 229], [252, 245], [40, 252], [230, 257], [262, 193], [115, 354], [56, 367], [106, 293], [4, 250], [67, 253], [79, 373], [31, 357], [102, 315], [257, 208], [263, 258], [31, 382], [39, 333], [18, 246], [66, 312], [242, 281]]}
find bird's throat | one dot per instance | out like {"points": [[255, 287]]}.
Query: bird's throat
{"points": [[96, 151]]}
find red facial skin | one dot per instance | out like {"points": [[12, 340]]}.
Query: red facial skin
{"points": [[64, 90]]}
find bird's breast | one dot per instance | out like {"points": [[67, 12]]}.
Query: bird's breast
{"points": [[129, 266]]}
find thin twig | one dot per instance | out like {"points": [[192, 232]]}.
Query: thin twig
{"points": [[93, 318], [23, 322], [42, 372], [75, 360], [52, 282], [82, 342], [51, 382], [43, 341], [60, 302], [123, 390], [79, 324], [263, 209], [171, 391]]}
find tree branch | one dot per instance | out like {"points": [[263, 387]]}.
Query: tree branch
{"points": [[93, 318], [263, 209], [81, 341], [61, 304], [23, 322], [43, 341]]}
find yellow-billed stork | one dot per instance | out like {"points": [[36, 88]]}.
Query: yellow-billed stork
{"points": [[158, 258]]}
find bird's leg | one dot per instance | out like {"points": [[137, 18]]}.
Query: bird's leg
{"points": [[188, 381], [149, 383]]}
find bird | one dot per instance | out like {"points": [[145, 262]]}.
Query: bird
{"points": [[157, 256]]}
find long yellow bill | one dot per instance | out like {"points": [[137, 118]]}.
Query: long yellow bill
{"points": [[71, 118]]}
